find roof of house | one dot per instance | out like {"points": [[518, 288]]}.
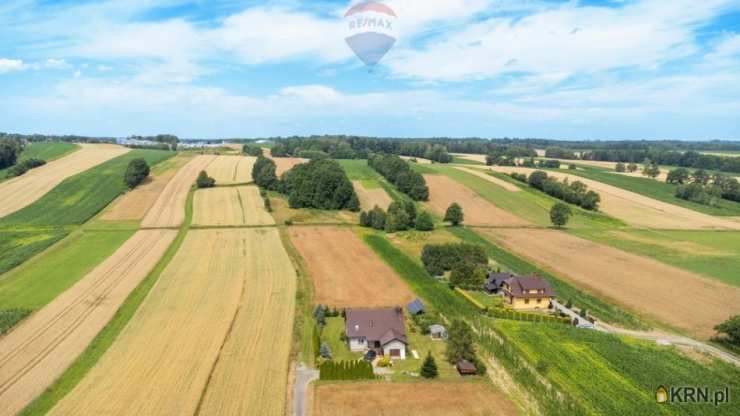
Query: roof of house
{"points": [[494, 280], [383, 325], [435, 329], [520, 286], [415, 307]]}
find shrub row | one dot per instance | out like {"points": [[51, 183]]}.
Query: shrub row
{"points": [[399, 173], [400, 217], [440, 258], [503, 313], [23, 167], [346, 370], [576, 193], [10, 317]]}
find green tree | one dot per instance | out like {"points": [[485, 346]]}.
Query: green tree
{"points": [[701, 176], [429, 367], [560, 214], [263, 173], [468, 275], [459, 342], [537, 179], [454, 214], [424, 222], [730, 328], [377, 218], [678, 176], [651, 170], [621, 168], [632, 168], [205, 181], [252, 149], [136, 172]]}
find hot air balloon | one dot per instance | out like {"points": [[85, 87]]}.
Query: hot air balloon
{"points": [[371, 31]]}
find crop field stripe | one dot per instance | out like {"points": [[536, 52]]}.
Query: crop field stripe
{"points": [[72, 376]]}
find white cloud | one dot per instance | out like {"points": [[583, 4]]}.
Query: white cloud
{"points": [[9, 65]]}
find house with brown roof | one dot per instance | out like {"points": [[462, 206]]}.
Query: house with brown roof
{"points": [[527, 292], [381, 330]]}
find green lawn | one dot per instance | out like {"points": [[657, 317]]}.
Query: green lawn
{"points": [[610, 375], [485, 299], [331, 334], [714, 254], [358, 170], [40, 280], [423, 344], [657, 190]]}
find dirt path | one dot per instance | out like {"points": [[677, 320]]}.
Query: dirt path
{"points": [[638, 210], [369, 198], [169, 209], [679, 298], [229, 170], [230, 206], [17, 193], [40, 349], [443, 191], [346, 273]]}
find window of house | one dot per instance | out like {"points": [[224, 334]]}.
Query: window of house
{"points": [[526, 301]]}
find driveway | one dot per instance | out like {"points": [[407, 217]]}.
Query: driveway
{"points": [[303, 377]]}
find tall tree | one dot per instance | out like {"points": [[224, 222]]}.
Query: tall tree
{"points": [[459, 342], [454, 214], [429, 367], [560, 214]]}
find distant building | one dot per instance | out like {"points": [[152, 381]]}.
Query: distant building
{"points": [[437, 331], [380, 330], [530, 292]]}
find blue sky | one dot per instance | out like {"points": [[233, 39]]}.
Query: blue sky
{"points": [[621, 69]]}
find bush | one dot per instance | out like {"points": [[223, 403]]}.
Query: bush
{"points": [[429, 367], [696, 192], [137, 171], [325, 351], [439, 258], [519, 177], [23, 167], [731, 329], [384, 362], [252, 150], [560, 214], [263, 173], [205, 181], [346, 370], [468, 275], [10, 317], [424, 222], [454, 214]]}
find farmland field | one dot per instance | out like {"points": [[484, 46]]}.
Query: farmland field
{"points": [[371, 196], [443, 191], [184, 329], [135, 204], [393, 399], [490, 178], [39, 350], [169, 208], [284, 164], [345, 272], [681, 299], [230, 170], [48, 151], [230, 206], [24, 190]]}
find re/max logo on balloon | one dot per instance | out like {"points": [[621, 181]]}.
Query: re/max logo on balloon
{"points": [[371, 31]]}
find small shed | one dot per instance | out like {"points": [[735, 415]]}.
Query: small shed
{"points": [[437, 331], [466, 368], [415, 307]]}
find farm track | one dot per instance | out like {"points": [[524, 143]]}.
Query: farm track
{"points": [[197, 335], [37, 352], [24, 190], [169, 209]]}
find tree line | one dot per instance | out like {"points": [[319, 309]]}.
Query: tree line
{"points": [[689, 159], [576, 193], [702, 187], [399, 173], [10, 150], [399, 217]]}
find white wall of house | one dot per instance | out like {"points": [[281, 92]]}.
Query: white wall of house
{"points": [[395, 345], [357, 344]]}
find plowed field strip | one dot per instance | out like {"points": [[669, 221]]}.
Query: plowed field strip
{"points": [[39, 350]]}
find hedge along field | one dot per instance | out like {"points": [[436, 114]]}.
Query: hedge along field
{"points": [[611, 375], [36, 227], [565, 291]]}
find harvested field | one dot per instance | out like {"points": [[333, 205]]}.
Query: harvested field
{"points": [[136, 203], [639, 210], [370, 197], [230, 170], [419, 160], [482, 174], [211, 317], [38, 351], [283, 164], [472, 157], [676, 297], [612, 166], [410, 399], [22, 191], [443, 191], [230, 206], [169, 209], [346, 273]]}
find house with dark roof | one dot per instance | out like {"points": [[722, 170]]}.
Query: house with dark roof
{"points": [[527, 292], [381, 330], [494, 281]]}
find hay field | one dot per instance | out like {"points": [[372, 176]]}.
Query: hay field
{"points": [[443, 191], [283, 164], [230, 206], [169, 209], [638, 210], [481, 174], [613, 166], [22, 191], [346, 273], [179, 339], [676, 297], [136, 203], [230, 170], [38, 351], [370, 197], [471, 157], [251, 376], [410, 399]]}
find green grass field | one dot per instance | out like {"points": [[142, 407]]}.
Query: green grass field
{"points": [[48, 151], [18, 246], [657, 190], [40, 280], [331, 335], [460, 161], [610, 375]]}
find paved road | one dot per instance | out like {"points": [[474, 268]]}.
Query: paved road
{"points": [[303, 377]]}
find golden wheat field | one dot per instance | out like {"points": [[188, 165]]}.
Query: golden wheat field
{"points": [[38, 351], [168, 210], [230, 206], [230, 170], [22, 191], [178, 350]]}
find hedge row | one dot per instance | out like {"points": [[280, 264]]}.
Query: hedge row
{"points": [[346, 370]]}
